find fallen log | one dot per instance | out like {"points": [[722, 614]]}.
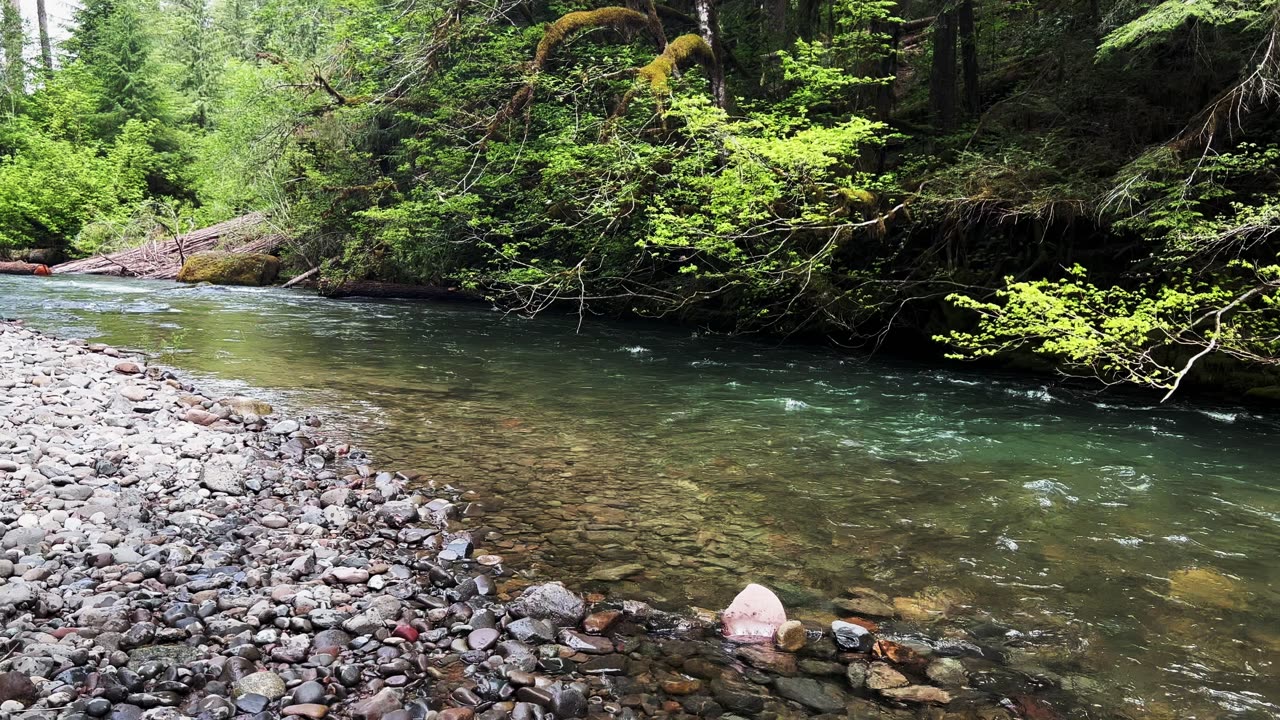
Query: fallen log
{"points": [[375, 289], [302, 278], [23, 268]]}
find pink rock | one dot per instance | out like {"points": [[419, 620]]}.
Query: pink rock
{"points": [[405, 631], [753, 616]]}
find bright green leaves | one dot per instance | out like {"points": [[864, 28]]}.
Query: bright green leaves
{"points": [[1145, 336]]}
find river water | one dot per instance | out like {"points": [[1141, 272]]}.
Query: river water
{"points": [[1125, 550]]}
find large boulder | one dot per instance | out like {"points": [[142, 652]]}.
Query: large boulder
{"points": [[224, 268]]}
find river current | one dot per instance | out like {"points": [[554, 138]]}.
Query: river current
{"points": [[1130, 550]]}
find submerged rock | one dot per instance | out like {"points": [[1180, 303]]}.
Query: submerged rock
{"points": [[919, 694], [811, 693], [242, 406], [1203, 587]]}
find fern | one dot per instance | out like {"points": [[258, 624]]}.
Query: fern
{"points": [[1157, 23]]}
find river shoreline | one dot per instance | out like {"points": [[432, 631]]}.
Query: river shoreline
{"points": [[166, 556]]}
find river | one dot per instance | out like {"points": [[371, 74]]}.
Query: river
{"points": [[1126, 550]]}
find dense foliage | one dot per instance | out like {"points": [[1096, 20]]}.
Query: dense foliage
{"points": [[1095, 182]]}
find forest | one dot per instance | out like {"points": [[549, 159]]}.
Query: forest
{"points": [[1086, 185]]}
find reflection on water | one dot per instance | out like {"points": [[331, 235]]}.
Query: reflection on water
{"points": [[1133, 548]]}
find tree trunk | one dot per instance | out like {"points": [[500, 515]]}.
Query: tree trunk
{"points": [[969, 56], [806, 24], [778, 21], [709, 28], [46, 47], [11, 41], [942, 77]]}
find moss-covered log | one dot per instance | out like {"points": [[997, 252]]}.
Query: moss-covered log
{"points": [[677, 56], [617, 18]]}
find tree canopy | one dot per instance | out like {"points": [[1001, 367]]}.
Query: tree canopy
{"points": [[1089, 182]]}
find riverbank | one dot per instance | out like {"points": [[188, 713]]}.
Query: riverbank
{"points": [[166, 555]]}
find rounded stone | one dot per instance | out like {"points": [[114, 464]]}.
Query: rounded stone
{"points": [[265, 683]]}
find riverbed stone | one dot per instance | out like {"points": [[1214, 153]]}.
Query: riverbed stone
{"points": [[754, 615], [947, 672], [851, 637], [819, 696], [266, 684], [552, 602], [924, 694], [881, 676], [15, 686], [790, 636]]}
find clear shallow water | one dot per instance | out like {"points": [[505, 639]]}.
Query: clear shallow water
{"points": [[1134, 548]]}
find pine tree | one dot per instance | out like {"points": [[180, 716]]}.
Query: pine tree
{"points": [[195, 50], [115, 43], [13, 83]]}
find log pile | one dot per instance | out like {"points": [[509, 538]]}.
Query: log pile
{"points": [[162, 259]]}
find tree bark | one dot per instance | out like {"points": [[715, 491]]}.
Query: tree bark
{"points": [[777, 10], [709, 29], [942, 76], [11, 41], [969, 56], [46, 47]]}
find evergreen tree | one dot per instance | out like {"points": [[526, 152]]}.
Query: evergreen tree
{"points": [[114, 39], [13, 73]]}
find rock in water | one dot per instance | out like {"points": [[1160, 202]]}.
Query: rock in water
{"points": [[552, 602], [851, 637], [882, 677], [754, 615], [1206, 588], [947, 672], [919, 694], [242, 406], [790, 636], [372, 708], [811, 693], [226, 268]]}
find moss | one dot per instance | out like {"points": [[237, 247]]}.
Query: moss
{"points": [[618, 18], [676, 56], [224, 268]]}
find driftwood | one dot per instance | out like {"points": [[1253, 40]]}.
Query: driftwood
{"points": [[23, 268], [302, 278], [161, 260], [374, 289]]}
